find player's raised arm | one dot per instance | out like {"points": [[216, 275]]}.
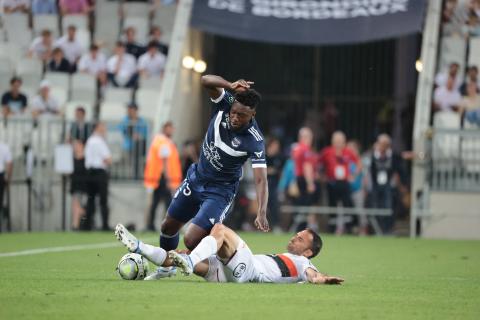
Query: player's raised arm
{"points": [[216, 84], [316, 277], [261, 186]]}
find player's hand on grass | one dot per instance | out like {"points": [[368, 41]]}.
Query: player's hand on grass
{"points": [[241, 85], [261, 222], [332, 280]]}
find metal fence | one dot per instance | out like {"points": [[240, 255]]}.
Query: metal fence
{"points": [[455, 160]]}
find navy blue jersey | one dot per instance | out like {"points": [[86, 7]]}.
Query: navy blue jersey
{"points": [[224, 151]]}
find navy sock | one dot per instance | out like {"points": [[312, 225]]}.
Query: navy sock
{"points": [[169, 242]]}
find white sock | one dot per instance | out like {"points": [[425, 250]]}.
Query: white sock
{"points": [[154, 254], [206, 248]]}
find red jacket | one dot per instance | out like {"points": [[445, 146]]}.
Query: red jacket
{"points": [[337, 167]]}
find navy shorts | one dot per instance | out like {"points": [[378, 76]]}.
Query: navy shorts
{"points": [[206, 202]]}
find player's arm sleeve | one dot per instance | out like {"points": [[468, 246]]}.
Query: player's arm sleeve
{"points": [[306, 269], [258, 157], [224, 101]]}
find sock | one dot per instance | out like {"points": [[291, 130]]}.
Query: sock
{"points": [[206, 248], [154, 254], [169, 242]]}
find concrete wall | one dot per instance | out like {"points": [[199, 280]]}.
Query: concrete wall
{"points": [[454, 216]]}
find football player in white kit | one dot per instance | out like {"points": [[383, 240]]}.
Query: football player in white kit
{"points": [[223, 256]]}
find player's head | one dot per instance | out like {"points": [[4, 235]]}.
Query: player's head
{"points": [[244, 108], [305, 243]]}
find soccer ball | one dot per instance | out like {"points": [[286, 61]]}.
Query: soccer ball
{"points": [[132, 266]]}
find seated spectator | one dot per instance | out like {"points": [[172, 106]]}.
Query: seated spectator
{"points": [[16, 6], [472, 100], [13, 101], [131, 45], [454, 18], [71, 47], [473, 24], [156, 37], [472, 76], [94, 63], [58, 62], [80, 129], [42, 46], [44, 103], [152, 63], [40, 7], [122, 68], [135, 130], [446, 98], [73, 6], [441, 78]]}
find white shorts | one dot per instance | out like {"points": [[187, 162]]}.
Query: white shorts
{"points": [[240, 268]]}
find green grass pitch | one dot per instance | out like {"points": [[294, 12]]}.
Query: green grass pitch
{"points": [[386, 278]]}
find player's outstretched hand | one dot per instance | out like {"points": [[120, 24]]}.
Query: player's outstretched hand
{"points": [[332, 280], [241, 85], [261, 223]]}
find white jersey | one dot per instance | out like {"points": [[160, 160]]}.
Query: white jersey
{"points": [[246, 267]]}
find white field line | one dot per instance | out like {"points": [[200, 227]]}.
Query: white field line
{"points": [[78, 247]]}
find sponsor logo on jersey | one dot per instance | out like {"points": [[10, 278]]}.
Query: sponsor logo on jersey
{"points": [[236, 142], [212, 155], [239, 270]]}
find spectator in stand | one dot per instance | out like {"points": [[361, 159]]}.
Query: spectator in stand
{"points": [[41, 7], [71, 47], [357, 186], [472, 76], [156, 37], [58, 62], [275, 161], [152, 63], [73, 6], [472, 100], [16, 6], [94, 63], [122, 68], [387, 174], [6, 169], [446, 98], [42, 46], [80, 129], [454, 18], [163, 171], [135, 130], [441, 79], [304, 159], [131, 45], [13, 101], [44, 102], [336, 161]]}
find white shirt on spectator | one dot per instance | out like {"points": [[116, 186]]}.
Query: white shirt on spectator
{"points": [[38, 47], [45, 106], [71, 49], [128, 66], [5, 156], [96, 152], [441, 80], [15, 3], [446, 99], [153, 65], [92, 66]]}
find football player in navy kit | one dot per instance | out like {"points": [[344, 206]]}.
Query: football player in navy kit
{"points": [[233, 137]]}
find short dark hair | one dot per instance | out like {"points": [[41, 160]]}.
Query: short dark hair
{"points": [[81, 109], [120, 44], [250, 98], [316, 243], [15, 79], [93, 47], [152, 44]]}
